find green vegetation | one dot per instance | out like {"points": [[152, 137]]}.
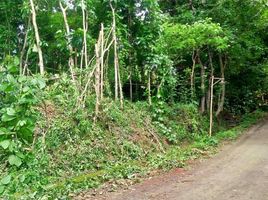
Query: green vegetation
{"points": [[74, 161], [97, 90], [76, 153]]}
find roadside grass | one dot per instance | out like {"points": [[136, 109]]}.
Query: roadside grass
{"points": [[247, 121]]}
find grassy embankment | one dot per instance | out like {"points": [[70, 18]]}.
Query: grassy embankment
{"points": [[77, 154]]}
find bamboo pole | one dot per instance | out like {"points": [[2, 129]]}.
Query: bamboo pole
{"points": [[211, 106], [213, 82]]}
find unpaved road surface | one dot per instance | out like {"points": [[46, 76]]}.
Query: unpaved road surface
{"points": [[239, 171]]}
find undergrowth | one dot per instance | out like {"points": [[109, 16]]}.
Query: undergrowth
{"points": [[72, 153]]}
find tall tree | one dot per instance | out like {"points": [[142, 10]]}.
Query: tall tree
{"points": [[69, 39], [37, 38]]}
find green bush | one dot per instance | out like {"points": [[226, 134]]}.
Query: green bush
{"points": [[18, 96], [179, 122]]}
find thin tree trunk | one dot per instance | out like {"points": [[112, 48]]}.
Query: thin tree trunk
{"points": [[211, 106], [118, 85], [203, 98], [102, 61], [82, 58], [107, 85], [120, 90], [97, 79], [68, 34], [75, 58], [115, 55], [8, 40], [136, 90], [25, 66], [222, 97], [211, 74], [192, 73], [116, 70], [24, 46], [130, 87], [85, 27], [149, 89], [37, 39], [191, 5], [130, 54]]}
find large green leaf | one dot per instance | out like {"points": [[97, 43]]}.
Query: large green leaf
{"points": [[42, 83], [11, 78], [21, 123], [11, 111], [2, 188], [14, 160], [12, 68], [3, 131], [7, 118], [5, 144], [26, 133], [6, 180]]}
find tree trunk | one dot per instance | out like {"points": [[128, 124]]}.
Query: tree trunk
{"points": [[222, 96], [191, 5], [211, 106], [68, 34], [82, 58], [211, 74], [115, 56], [25, 66], [102, 62], [130, 55], [120, 90], [37, 39], [97, 80], [118, 85], [85, 27], [149, 88], [136, 90], [130, 88], [24, 46], [192, 73], [75, 58], [203, 98]]}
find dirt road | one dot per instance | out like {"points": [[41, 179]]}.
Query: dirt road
{"points": [[239, 171]]}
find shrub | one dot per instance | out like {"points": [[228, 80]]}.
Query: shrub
{"points": [[18, 96]]}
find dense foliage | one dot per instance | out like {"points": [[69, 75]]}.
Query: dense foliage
{"points": [[158, 43]]}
